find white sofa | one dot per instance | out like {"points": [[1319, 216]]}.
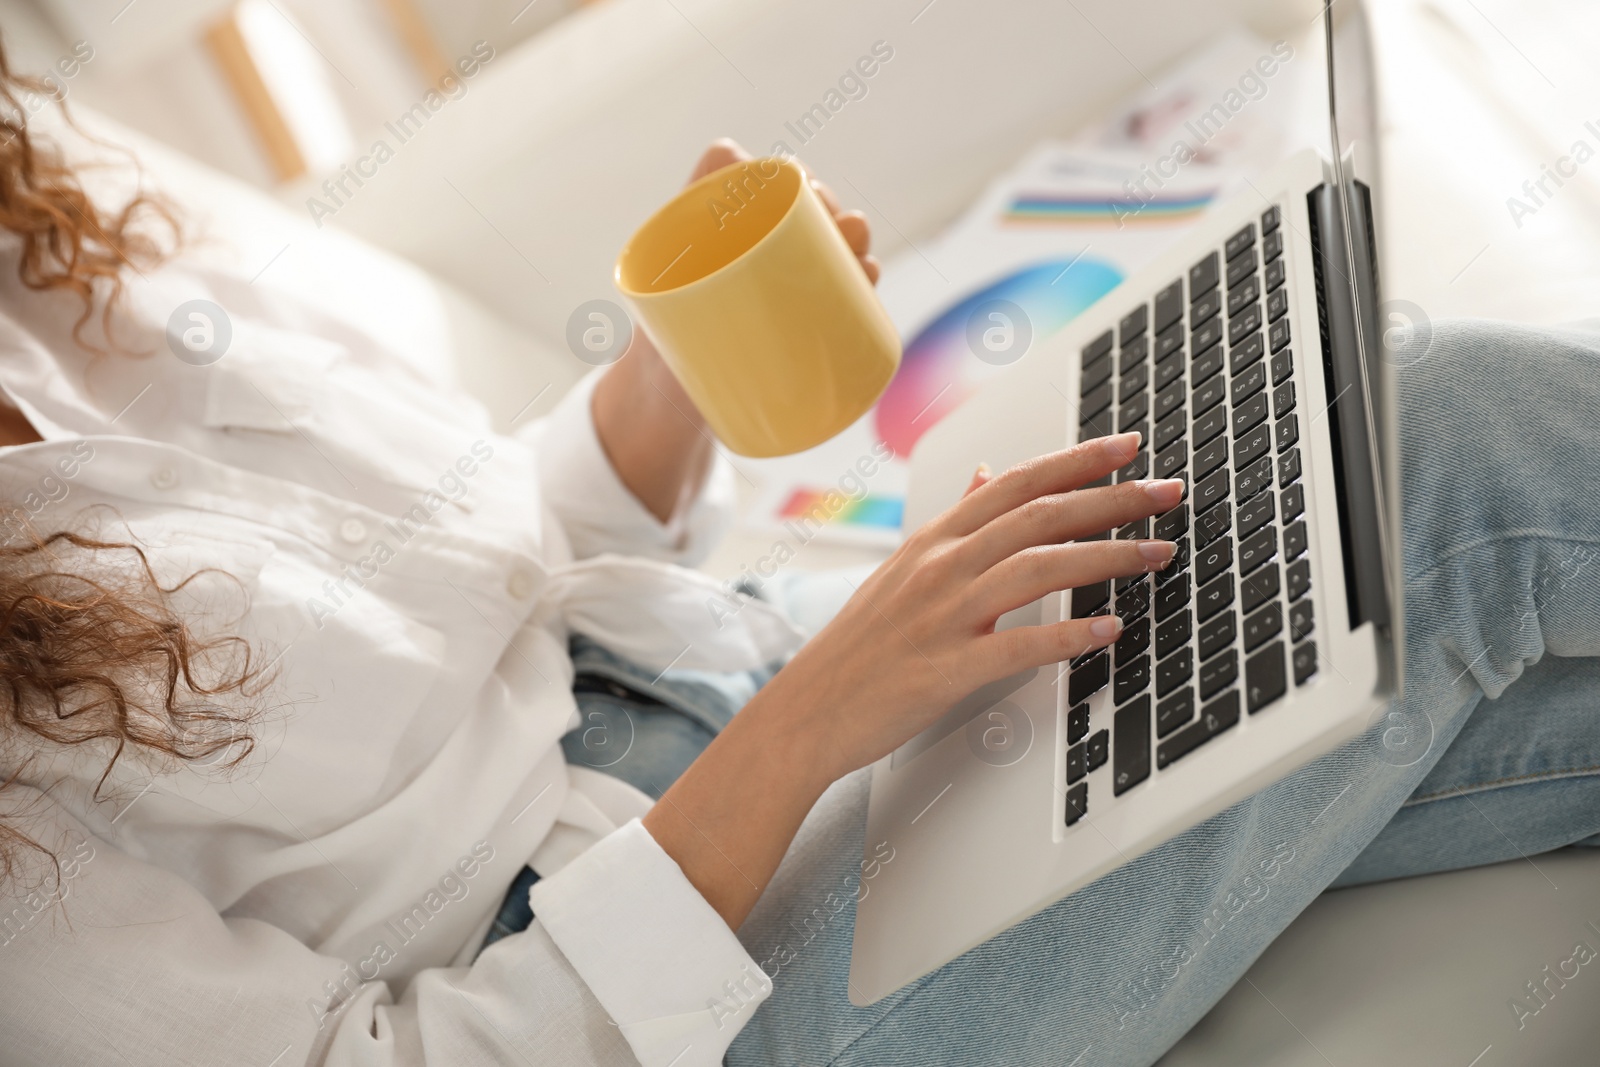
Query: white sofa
{"points": [[569, 140]]}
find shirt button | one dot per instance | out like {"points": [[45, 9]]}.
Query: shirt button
{"points": [[353, 531], [164, 477], [520, 584]]}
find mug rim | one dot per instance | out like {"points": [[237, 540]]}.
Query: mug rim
{"points": [[695, 189]]}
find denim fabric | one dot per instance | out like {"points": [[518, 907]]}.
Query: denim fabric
{"points": [[1500, 456], [642, 726]]}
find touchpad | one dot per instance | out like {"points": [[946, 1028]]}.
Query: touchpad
{"points": [[980, 700]]}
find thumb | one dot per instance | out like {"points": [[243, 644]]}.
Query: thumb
{"points": [[719, 154]]}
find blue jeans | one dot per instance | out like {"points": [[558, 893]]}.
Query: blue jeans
{"points": [[1500, 455]]}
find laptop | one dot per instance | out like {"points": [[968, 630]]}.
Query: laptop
{"points": [[1249, 356]]}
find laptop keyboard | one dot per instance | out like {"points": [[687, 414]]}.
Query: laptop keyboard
{"points": [[1228, 625]]}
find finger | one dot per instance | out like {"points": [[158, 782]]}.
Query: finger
{"points": [[1027, 576], [719, 154], [1057, 472], [857, 233], [872, 267], [979, 477], [828, 199], [1026, 647], [1073, 516]]}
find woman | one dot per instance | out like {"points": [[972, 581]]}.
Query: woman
{"points": [[289, 640]]}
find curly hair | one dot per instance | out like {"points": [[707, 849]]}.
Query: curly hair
{"points": [[68, 242], [93, 652]]}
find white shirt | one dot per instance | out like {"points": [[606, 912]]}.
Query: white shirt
{"points": [[413, 575]]}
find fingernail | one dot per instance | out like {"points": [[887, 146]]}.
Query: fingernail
{"points": [[1123, 446], [1166, 491], [982, 471], [1158, 552], [1106, 626]]}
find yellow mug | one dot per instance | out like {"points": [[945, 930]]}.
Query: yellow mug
{"points": [[760, 308]]}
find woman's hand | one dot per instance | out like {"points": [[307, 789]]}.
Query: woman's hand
{"points": [[917, 637], [652, 432]]}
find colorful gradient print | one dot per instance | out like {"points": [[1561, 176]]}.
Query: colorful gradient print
{"points": [[938, 371]]}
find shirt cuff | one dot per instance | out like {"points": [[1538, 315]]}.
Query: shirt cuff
{"points": [[654, 953], [597, 510]]}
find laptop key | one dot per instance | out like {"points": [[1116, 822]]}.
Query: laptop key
{"points": [[1210, 424], [1100, 346], [1289, 466], [1172, 524], [1169, 370], [1244, 324], [1212, 525], [1096, 400], [1243, 297], [1096, 374], [1170, 598], [1130, 756], [1206, 364], [1204, 307], [1294, 501], [1178, 568], [1247, 352], [1277, 304], [1175, 711], [1210, 490], [1218, 672], [1133, 412], [1169, 341], [1134, 602], [1099, 749], [1077, 805], [1133, 324], [1209, 394], [1253, 513], [1205, 335], [1095, 426], [1170, 398], [1137, 469], [1278, 334], [1131, 680], [1214, 596], [1137, 530], [1133, 382], [1173, 634], [1174, 671], [1257, 549], [1259, 588], [1133, 642], [1283, 399], [1272, 247], [1252, 446], [1203, 276], [1282, 366], [1274, 275], [1088, 679], [1133, 354], [1213, 560], [1270, 219], [1169, 305], [1077, 762], [1302, 619], [1077, 723], [1264, 679], [1299, 579], [1288, 431], [1089, 599], [1305, 662], [1253, 479], [1262, 624], [1216, 635], [1241, 267], [1172, 459], [1211, 456], [1247, 414], [1250, 381], [1170, 429], [1217, 716], [1294, 540], [1241, 240]]}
